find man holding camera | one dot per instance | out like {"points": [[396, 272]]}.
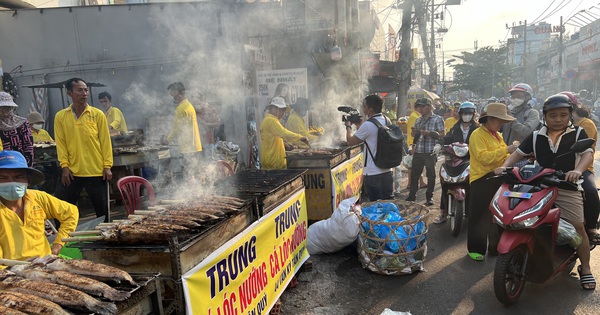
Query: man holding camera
{"points": [[427, 130]]}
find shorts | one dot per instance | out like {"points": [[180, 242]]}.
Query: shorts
{"points": [[571, 205]]}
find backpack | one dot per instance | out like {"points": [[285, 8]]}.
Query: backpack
{"points": [[526, 114], [390, 144]]}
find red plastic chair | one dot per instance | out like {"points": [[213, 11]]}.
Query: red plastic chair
{"points": [[130, 188], [224, 168]]}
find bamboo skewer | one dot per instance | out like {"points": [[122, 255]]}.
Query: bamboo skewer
{"points": [[144, 212], [83, 239], [171, 201], [79, 233], [12, 262], [157, 208]]}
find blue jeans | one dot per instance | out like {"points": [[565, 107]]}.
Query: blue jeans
{"points": [[380, 186]]}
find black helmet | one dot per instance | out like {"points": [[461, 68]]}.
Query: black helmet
{"points": [[557, 101], [423, 101]]}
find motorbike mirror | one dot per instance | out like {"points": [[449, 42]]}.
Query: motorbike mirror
{"points": [[582, 145], [434, 135]]}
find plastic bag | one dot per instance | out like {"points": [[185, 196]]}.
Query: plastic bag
{"points": [[407, 161], [401, 236], [335, 233], [567, 234]]}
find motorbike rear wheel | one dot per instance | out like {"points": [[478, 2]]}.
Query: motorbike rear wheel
{"points": [[509, 280], [457, 210]]}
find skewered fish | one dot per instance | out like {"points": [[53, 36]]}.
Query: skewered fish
{"points": [[57, 293], [9, 311], [194, 215], [158, 233], [29, 304], [81, 283], [85, 268]]}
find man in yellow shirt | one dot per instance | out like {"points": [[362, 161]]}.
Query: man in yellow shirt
{"points": [[36, 122], [295, 122], [114, 116], [23, 211], [272, 134], [84, 149], [185, 128], [451, 121]]}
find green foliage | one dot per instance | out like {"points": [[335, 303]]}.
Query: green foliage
{"points": [[484, 72]]}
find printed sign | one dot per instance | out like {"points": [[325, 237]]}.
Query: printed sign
{"points": [[248, 273], [347, 178]]}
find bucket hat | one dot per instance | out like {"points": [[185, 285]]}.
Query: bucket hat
{"points": [[7, 100], [497, 110], [35, 118], [14, 160]]}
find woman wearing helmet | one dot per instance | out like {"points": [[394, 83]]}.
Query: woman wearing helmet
{"points": [[556, 137], [461, 131], [527, 118]]}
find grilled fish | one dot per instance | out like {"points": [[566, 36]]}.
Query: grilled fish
{"points": [[84, 268], [9, 311], [29, 304], [81, 283], [59, 294]]}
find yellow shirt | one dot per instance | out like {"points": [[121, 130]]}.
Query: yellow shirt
{"points": [[115, 119], [487, 152], [83, 144], [185, 128], [295, 123], [590, 129], [412, 119], [449, 123], [41, 136], [272, 151], [23, 240]]}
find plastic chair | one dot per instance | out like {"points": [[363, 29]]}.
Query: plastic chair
{"points": [[224, 168], [130, 188]]}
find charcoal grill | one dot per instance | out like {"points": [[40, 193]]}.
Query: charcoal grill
{"points": [[268, 187]]}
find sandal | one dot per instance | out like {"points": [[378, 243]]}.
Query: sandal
{"points": [[588, 282], [439, 219], [476, 256], [594, 238]]}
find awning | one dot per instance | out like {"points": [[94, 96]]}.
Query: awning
{"points": [[379, 84], [61, 86]]}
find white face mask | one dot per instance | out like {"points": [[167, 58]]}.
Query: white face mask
{"points": [[38, 126], [467, 118], [516, 102]]}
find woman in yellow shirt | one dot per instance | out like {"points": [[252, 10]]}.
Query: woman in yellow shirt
{"points": [[488, 151], [36, 122]]}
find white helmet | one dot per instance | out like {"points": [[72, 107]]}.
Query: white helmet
{"points": [[524, 87], [278, 101]]}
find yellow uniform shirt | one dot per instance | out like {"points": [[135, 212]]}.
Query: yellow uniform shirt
{"points": [[412, 119], [23, 240], [272, 151], [83, 144], [449, 123], [295, 123], [115, 119], [41, 136], [592, 132], [487, 152], [185, 128]]}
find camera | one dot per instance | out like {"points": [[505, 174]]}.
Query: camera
{"points": [[353, 115]]}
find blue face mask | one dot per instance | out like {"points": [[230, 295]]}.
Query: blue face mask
{"points": [[12, 190]]}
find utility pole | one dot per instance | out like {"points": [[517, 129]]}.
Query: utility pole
{"points": [[403, 64], [433, 70], [524, 57], [560, 56]]}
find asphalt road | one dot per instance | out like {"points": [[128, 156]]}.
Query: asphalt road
{"points": [[451, 284]]}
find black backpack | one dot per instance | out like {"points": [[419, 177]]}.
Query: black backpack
{"points": [[390, 144]]}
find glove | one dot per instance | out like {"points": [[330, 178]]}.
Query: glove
{"points": [[437, 148]]}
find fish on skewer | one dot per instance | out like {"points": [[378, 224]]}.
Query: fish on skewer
{"points": [[84, 268], [59, 294], [9, 311], [81, 283], [29, 304]]}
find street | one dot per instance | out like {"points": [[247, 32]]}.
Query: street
{"points": [[451, 284]]}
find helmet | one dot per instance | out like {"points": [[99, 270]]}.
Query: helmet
{"points": [[278, 101], [423, 101], [583, 93], [466, 107], [557, 101], [35, 118], [524, 87], [571, 96]]}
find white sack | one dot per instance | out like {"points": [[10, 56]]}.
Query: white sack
{"points": [[335, 233]]}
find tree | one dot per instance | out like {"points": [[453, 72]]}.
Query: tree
{"points": [[484, 72]]}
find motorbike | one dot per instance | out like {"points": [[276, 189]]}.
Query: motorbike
{"points": [[524, 208], [454, 179]]}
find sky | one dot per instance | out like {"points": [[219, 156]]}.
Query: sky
{"points": [[485, 21]]}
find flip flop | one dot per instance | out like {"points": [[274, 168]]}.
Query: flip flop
{"points": [[588, 282], [594, 238], [476, 256]]}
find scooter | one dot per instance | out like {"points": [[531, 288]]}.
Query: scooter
{"points": [[454, 179], [524, 208]]}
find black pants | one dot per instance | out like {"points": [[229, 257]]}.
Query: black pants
{"points": [[94, 186], [591, 203], [481, 228], [380, 186], [419, 161]]}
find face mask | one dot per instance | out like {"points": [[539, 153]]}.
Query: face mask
{"points": [[13, 190], [516, 102], [38, 126], [467, 118]]}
